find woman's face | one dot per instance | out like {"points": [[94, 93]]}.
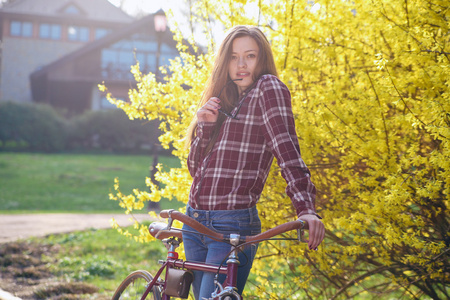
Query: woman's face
{"points": [[244, 58]]}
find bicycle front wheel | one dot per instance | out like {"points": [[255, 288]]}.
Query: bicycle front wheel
{"points": [[134, 286], [229, 298]]}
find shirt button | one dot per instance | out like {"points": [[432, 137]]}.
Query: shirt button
{"points": [[195, 215]]}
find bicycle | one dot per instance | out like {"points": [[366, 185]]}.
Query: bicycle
{"points": [[178, 277]]}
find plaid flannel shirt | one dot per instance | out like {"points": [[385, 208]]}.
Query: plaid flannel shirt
{"points": [[232, 175]]}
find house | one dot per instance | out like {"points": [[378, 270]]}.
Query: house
{"points": [[34, 33], [58, 51], [71, 82]]}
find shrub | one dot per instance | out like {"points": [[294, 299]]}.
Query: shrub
{"points": [[111, 130], [35, 127], [38, 127]]}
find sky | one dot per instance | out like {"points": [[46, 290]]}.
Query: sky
{"points": [[137, 7], [149, 6]]}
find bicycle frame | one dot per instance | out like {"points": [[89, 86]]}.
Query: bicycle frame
{"points": [[230, 270]]}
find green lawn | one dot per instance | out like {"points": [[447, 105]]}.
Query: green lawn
{"points": [[42, 183], [102, 257], [71, 182]]}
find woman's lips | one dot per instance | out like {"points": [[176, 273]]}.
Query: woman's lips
{"points": [[241, 75]]}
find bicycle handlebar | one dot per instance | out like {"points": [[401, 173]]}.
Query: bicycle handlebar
{"points": [[176, 215]]}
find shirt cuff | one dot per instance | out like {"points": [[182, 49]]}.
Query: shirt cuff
{"points": [[205, 129], [307, 212]]}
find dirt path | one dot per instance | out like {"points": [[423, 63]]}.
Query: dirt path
{"points": [[15, 227]]}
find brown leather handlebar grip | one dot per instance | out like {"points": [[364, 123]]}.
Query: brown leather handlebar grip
{"points": [[176, 215], [275, 231]]}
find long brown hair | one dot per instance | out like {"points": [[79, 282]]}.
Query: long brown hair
{"points": [[219, 76]]}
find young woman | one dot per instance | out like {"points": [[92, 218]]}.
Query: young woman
{"points": [[244, 121]]}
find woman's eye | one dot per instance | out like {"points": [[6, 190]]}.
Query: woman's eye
{"points": [[251, 56]]}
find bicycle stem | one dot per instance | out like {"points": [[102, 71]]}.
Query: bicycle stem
{"points": [[233, 261], [232, 271]]}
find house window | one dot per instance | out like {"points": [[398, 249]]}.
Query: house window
{"points": [[78, 33], [50, 31], [167, 53], [72, 10], [143, 47], [24, 29], [147, 62], [116, 63], [101, 32], [119, 57]]}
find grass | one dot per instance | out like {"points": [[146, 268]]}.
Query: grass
{"points": [[102, 257], [43, 183], [36, 183]]}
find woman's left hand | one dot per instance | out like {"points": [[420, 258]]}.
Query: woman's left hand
{"points": [[210, 111], [316, 230]]}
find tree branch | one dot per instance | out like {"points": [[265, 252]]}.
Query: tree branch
{"points": [[386, 133], [359, 278]]}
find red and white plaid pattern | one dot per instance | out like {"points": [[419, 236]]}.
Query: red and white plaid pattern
{"points": [[232, 175]]}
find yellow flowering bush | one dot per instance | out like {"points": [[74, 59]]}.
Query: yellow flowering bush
{"points": [[370, 84]]}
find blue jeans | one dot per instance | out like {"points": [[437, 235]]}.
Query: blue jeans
{"points": [[203, 249]]}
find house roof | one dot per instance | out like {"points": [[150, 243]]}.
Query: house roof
{"points": [[98, 10]]}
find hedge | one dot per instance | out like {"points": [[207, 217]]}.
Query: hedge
{"points": [[40, 128]]}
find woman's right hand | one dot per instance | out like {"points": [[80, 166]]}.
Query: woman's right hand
{"points": [[316, 230], [210, 111]]}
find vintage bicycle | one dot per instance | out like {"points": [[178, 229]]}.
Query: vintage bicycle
{"points": [[179, 274]]}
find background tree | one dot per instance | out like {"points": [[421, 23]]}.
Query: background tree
{"points": [[370, 92]]}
